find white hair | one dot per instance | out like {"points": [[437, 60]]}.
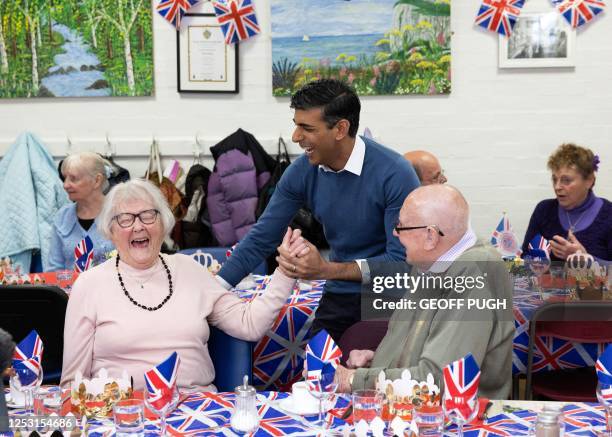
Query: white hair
{"points": [[89, 162], [135, 189]]}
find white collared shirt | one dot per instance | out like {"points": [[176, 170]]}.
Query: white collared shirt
{"points": [[355, 162], [443, 263]]}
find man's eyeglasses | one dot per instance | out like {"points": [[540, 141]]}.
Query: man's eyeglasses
{"points": [[127, 219], [399, 228]]}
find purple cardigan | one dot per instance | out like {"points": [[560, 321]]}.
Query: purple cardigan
{"points": [[596, 239]]}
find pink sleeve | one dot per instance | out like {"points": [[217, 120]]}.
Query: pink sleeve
{"points": [[79, 330], [251, 320]]}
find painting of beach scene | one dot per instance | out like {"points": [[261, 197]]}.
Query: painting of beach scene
{"points": [[380, 47], [76, 48]]}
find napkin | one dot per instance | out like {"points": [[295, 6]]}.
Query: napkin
{"points": [[161, 382], [28, 355], [322, 357], [539, 247], [603, 366], [461, 379]]}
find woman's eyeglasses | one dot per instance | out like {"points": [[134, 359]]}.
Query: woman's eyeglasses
{"points": [[127, 219], [399, 228]]}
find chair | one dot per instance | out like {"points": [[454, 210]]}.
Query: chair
{"points": [[366, 334], [232, 359], [582, 322], [219, 254], [40, 307]]}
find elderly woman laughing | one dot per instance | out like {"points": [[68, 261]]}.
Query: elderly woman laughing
{"points": [[132, 311]]}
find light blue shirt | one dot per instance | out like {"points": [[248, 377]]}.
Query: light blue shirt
{"points": [[67, 233]]}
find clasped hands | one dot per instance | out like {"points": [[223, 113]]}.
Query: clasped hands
{"points": [[300, 259], [562, 248]]}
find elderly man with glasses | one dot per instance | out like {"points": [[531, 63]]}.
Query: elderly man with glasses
{"points": [[427, 167], [434, 229]]}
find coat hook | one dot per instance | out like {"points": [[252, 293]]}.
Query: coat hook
{"points": [[69, 144], [109, 147]]}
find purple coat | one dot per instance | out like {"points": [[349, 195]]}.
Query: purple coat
{"points": [[242, 167]]}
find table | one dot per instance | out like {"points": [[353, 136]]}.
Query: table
{"points": [[549, 353], [209, 413]]}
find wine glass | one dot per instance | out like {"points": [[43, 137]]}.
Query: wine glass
{"points": [[153, 404], [469, 407], [323, 388], [604, 396], [27, 381], [538, 264]]}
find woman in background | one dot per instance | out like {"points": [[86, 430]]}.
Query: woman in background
{"points": [[85, 180], [576, 219]]}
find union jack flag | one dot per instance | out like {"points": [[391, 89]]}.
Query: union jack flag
{"points": [[499, 15], [504, 240], [461, 379], [579, 12], [161, 382], [173, 10], [28, 355], [237, 19], [322, 356], [539, 246], [603, 366], [83, 254]]}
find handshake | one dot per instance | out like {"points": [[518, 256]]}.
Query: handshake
{"points": [[300, 259]]}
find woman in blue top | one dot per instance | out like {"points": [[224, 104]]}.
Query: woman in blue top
{"points": [[576, 219], [85, 181]]}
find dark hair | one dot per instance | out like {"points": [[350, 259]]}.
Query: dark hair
{"points": [[7, 348], [337, 99]]}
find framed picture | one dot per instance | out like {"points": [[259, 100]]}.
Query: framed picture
{"points": [[538, 40], [205, 64]]}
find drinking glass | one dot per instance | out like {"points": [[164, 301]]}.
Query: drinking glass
{"points": [[471, 410], [322, 388], [26, 381], [604, 396], [128, 416], [48, 400], [538, 265], [430, 420], [163, 411], [367, 404]]}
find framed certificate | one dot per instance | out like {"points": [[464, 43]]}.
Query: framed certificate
{"points": [[205, 64]]}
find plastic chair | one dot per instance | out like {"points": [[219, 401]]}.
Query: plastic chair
{"points": [[582, 322], [232, 359], [40, 307], [220, 255], [366, 334]]}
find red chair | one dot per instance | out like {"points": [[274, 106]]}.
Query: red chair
{"points": [[580, 322], [366, 334]]}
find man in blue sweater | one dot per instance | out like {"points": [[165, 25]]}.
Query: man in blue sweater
{"points": [[355, 188]]}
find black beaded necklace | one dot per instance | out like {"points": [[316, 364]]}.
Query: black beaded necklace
{"points": [[167, 298]]}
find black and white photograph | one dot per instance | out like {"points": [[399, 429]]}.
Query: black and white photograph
{"points": [[538, 40]]}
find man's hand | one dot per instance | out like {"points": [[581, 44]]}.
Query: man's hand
{"points": [[301, 259], [359, 358], [343, 378], [563, 248]]}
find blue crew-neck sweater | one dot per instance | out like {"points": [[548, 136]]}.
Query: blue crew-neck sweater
{"points": [[358, 213]]}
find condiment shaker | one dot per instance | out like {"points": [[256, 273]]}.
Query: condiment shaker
{"points": [[244, 417]]}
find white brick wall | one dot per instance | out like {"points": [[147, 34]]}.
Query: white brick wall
{"points": [[493, 133]]}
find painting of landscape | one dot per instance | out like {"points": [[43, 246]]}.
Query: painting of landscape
{"points": [[76, 48], [380, 47]]}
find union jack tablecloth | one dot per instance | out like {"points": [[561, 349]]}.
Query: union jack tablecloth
{"points": [[279, 356], [549, 353]]}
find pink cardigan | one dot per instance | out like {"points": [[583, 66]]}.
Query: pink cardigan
{"points": [[104, 329]]}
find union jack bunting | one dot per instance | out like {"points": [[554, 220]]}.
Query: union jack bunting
{"points": [[539, 246], [28, 355], [461, 379], [504, 240], [173, 10], [237, 19], [579, 12], [499, 15], [83, 254], [161, 382]]}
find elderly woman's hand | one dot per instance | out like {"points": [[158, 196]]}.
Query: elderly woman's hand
{"points": [[563, 248]]}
